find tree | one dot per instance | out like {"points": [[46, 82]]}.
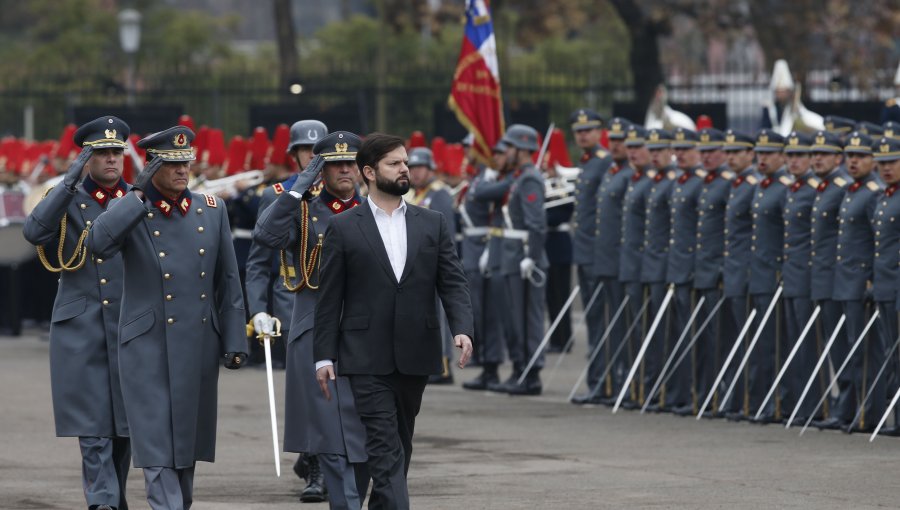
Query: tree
{"points": [[286, 38]]}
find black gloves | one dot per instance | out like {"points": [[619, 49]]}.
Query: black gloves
{"points": [[143, 179], [308, 176], [235, 360], [73, 173]]}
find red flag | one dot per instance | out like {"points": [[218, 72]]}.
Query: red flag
{"points": [[475, 93]]}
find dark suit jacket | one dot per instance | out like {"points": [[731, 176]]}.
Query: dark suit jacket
{"points": [[368, 321]]}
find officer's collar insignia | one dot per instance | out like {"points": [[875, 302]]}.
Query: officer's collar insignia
{"points": [[336, 205], [185, 205], [180, 140], [182, 204], [340, 147], [820, 140], [164, 206], [103, 195]]}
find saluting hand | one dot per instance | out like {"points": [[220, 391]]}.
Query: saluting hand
{"points": [[323, 375], [76, 169], [143, 179], [465, 343]]}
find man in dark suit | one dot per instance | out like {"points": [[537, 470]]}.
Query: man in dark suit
{"points": [[384, 332]]}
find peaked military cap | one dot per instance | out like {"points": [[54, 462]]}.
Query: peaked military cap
{"points": [[338, 146], [173, 144], [891, 129], [826, 141], [737, 141], [711, 139], [869, 128], [500, 146], [104, 133], [684, 139], [421, 156], [858, 143], [306, 132], [769, 141], [636, 136], [887, 149], [838, 124], [798, 143], [658, 139], [585, 119], [618, 127]]}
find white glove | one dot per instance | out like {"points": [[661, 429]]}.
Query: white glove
{"points": [[483, 262], [264, 324], [526, 267], [490, 175]]}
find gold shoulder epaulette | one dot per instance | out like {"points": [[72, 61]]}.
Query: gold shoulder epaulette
{"points": [[873, 186], [891, 102], [651, 174], [701, 173], [814, 182], [601, 153], [787, 181], [728, 175], [437, 184], [279, 189], [752, 179], [671, 175], [840, 181]]}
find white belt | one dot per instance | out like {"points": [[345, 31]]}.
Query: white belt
{"points": [[510, 233], [565, 227], [476, 231], [241, 233]]}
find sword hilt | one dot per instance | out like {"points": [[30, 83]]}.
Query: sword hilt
{"points": [[263, 338]]}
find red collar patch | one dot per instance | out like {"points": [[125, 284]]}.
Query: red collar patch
{"points": [[738, 181], [797, 185], [710, 177], [684, 177], [855, 186], [891, 190], [338, 206], [165, 206], [822, 186], [637, 176], [766, 182]]}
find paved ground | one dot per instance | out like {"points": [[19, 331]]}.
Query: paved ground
{"points": [[478, 451]]}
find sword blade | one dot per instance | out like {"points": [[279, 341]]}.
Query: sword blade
{"points": [[571, 340], [812, 377], [546, 339], [731, 353], [663, 376], [271, 385], [837, 374], [762, 324], [887, 361], [884, 417], [787, 362], [644, 345]]}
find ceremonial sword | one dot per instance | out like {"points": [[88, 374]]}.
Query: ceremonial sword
{"points": [[596, 349], [571, 340], [266, 339], [884, 365], [819, 364], [731, 353], [546, 339], [837, 374]]}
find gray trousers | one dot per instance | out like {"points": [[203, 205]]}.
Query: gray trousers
{"points": [[851, 379], [654, 357], [526, 313], [710, 343], [678, 389], [104, 470], [826, 323], [169, 488], [347, 483], [797, 312], [594, 320], [635, 293], [762, 359], [736, 307]]}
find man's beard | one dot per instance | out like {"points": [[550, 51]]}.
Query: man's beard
{"points": [[395, 188]]}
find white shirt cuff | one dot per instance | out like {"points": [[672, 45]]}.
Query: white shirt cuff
{"points": [[324, 363], [295, 194]]}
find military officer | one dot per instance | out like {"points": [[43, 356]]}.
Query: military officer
{"points": [[795, 275], [654, 263], [709, 257], [429, 192], [607, 244], [827, 156], [885, 274], [524, 262], [634, 212], [84, 365], [838, 125], [329, 430], [267, 283], [891, 109], [595, 161], [891, 129], [875, 131], [185, 308], [766, 254], [738, 236], [853, 274]]}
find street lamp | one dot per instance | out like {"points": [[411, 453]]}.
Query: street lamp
{"points": [[130, 39]]}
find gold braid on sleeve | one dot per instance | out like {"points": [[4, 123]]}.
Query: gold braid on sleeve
{"points": [[307, 265], [80, 253]]}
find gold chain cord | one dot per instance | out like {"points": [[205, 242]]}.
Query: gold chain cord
{"points": [[79, 248], [306, 265]]}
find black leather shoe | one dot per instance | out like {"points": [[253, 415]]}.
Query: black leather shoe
{"points": [[584, 398], [653, 408], [301, 467], [832, 423], [628, 404], [889, 431], [441, 379], [315, 491], [685, 410], [530, 386], [482, 382], [868, 429], [503, 387], [735, 417], [102, 507], [763, 419]]}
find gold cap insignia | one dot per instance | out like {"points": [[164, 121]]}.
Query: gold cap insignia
{"points": [[617, 128], [180, 140], [794, 141], [679, 135], [654, 136], [110, 133], [855, 142], [820, 140], [763, 138], [730, 138], [582, 118], [885, 148], [632, 134], [340, 147], [704, 137], [889, 133]]}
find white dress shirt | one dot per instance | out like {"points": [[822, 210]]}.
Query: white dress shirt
{"points": [[392, 229]]}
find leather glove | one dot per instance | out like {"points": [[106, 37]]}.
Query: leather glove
{"points": [[263, 324], [483, 261], [142, 181], [235, 360], [526, 267], [308, 176], [73, 173]]}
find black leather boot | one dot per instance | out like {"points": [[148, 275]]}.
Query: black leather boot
{"points": [[301, 467], [488, 376], [530, 386], [315, 491], [503, 387]]}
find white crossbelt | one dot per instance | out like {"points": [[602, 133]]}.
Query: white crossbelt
{"points": [[241, 233]]}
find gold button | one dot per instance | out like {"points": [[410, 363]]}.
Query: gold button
{"points": [[168, 297], [105, 302], [162, 254], [199, 229], [156, 233], [202, 296], [171, 320], [150, 215], [83, 206], [315, 219], [202, 274], [102, 281], [88, 223], [202, 251], [99, 261], [167, 276]]}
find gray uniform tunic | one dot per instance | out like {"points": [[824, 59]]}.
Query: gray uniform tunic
{"points": [[84, 365], [182, 309], [263, 263], [312, 424]]}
